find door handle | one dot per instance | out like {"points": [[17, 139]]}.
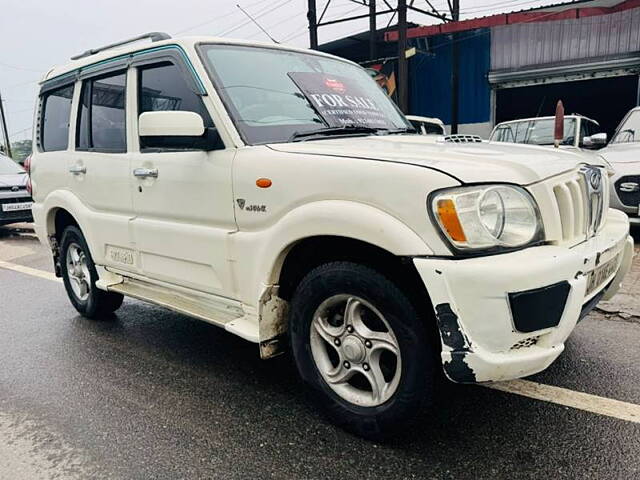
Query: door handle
{"points": [[78, 169], [145, 172]]}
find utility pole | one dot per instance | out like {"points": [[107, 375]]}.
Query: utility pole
{"points": [[455, 69], [5, 134], [372, 30], [313, 25], [403, 67]]}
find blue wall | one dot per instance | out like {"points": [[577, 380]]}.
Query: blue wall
{"points": [[430, 77]]}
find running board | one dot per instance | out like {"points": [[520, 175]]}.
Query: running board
{"points": [[220, 312]]}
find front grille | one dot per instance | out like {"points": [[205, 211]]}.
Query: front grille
{"points": [[628, 190], [4, 188], [581, 206]]}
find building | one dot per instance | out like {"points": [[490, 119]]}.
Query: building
{"points": [[515, 65]]}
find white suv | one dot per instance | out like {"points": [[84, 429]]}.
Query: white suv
{"points": [[276, 192]]}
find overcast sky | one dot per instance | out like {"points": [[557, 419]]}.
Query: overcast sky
{"points": [[37, 34]]}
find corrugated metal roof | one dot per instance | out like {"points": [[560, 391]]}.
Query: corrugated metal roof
{"points": [[540, 43], [555, 12]]}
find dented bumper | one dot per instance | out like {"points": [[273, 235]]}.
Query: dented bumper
{"points": [[507, 316]]}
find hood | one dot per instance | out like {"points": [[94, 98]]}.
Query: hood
{"points": [[13, 179], [469, 163], [621, 153]]}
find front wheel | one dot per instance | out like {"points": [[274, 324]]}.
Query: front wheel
{"points": [[361, 347], [79, 276]]}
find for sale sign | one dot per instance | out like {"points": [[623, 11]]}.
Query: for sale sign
{"points": [[340, 101]]}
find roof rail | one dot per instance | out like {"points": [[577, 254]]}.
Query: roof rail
{"points": [[153, 36]]}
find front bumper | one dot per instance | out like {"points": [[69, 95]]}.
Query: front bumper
{"points": [[15, 216], [471, 298]]}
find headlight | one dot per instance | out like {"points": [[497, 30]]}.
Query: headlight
{"points": [[487, 217]]}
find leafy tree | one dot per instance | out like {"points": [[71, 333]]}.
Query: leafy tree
{"points": [[21, 150]]}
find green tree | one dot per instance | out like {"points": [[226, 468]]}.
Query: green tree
{"points": [[21, 150]]}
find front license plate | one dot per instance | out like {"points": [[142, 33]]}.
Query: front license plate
{"points": [[600, 274], [12, 207]]}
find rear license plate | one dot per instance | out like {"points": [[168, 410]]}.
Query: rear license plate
{"points": [[12, 207], [600, 274]]}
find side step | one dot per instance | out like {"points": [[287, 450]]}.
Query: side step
{"points": [[217, 311]]}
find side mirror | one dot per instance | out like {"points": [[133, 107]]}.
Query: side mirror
{"points": [[170, 123], [595, 141], [175, 129]]}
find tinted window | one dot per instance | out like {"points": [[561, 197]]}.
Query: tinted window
{"points": [[55, 119], [101, 118], [163, 87]]}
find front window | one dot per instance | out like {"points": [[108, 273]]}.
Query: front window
{"points": [[535, 132], [629, 131], [274, 94]]}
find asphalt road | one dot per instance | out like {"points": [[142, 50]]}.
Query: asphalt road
{"points": [[153, 394]]}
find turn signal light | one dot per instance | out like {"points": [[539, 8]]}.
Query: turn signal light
{"points": [[449, 220], [263, 182]]}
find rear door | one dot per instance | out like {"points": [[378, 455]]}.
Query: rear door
{"points": [[99, 166], [184, 211]]}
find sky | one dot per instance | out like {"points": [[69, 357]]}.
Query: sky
{"points": [[35, 35]]}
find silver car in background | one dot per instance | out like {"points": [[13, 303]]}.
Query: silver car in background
{"points": [[15, 199], [623, 153]]}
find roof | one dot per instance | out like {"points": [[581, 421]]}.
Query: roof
{"points": [[559, 11], [186, 44], [573, 115]]}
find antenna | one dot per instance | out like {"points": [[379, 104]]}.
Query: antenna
{"points": [[259, 26]]}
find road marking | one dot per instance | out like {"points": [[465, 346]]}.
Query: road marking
{"points": [[560, 396], [29, 271], [569, 398]]}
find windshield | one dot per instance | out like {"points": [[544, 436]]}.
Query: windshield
{"points": [[629, 131], [9, 167], [273, 94], [534, 132]]}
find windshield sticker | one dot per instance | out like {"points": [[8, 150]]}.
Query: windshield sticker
{"points": [[340, 101]]}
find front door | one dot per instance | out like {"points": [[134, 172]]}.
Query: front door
{"points": [[182, 197]]}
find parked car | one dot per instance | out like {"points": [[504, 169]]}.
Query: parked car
{"points": [[623, 153], [15, 200], [427, 125], [275, 192], [579, 132]]}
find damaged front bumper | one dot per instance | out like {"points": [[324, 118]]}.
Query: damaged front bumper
{"points": [[507, 316]]}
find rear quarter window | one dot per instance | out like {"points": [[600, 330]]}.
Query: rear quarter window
{"points": [[56, 111]]}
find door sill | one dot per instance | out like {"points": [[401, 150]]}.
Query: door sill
{"points": [[217, 311]]}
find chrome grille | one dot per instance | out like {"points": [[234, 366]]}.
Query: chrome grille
{"points": [[582, 201]]}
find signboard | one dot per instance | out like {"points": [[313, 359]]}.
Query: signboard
{"points": [[340, 101]]}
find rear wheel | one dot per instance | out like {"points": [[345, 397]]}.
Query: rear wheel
{"points": [[79, 276], [362, 349]]}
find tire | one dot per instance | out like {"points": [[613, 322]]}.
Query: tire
{"points": [[86, 298], [315, 323]]}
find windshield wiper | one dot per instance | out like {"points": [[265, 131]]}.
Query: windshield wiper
{"points": [[331, 131]]}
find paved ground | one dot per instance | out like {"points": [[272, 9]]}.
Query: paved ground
{"points": [[154, 394]]}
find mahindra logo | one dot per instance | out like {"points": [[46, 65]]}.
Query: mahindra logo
{"points": [[595, 197], [595, 178], [629, 187], [15, 189]]}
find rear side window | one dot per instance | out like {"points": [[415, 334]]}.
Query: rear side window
{"points": [[101, 115], [56, 106], [163, 87]]}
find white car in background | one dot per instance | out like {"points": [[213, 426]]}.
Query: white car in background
{"points": [[623, 153], [427, 125], [579, 132]]}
